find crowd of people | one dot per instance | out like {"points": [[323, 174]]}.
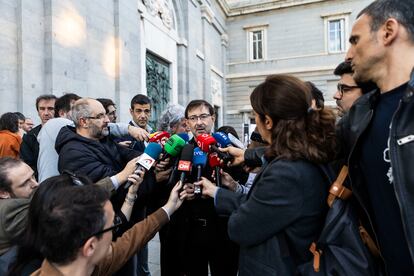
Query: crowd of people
{"points": [[81, 194]]}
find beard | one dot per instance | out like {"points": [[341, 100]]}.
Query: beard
{"points": [[98, 132]]}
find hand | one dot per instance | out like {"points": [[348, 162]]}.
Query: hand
{"points": [[208, 188], [228, 181], [162, 165], [162, 175], [174, 201], [138, 133], [125, 143], [129, 169], [136, 180], [237, 153], [188, 192]]}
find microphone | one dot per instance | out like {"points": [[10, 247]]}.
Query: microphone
{"points": [[222, 139], [207, 143], [147, 159], [199, 161], [236, 142], [214, 162], [184, 136], [159, 137], [173, 146], [185, 165]]}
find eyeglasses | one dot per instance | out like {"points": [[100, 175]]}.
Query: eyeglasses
{"points": [[202, 117], [113, 113], [100, 116], [114, 228], [343, 88]]}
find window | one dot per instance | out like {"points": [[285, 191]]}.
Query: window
{"points": [[257, 44], [336, 35]]}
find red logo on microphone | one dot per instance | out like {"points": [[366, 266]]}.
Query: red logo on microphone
{"points": [[184, 165]]}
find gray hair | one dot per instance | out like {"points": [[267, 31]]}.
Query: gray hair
{"points": [[400, 10], [170, 117], [80, 109]]}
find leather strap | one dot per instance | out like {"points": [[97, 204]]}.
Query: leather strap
{"points": [[338, 190], [316, 257]]}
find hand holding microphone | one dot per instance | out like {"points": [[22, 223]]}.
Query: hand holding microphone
{"points": [[147, 159], [215, 163], [207, 143], [199, 161]]}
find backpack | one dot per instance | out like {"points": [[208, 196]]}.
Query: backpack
{"points": [[343, 247]]}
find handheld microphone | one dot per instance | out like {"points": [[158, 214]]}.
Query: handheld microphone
{"points": [[222, 139], [199, 161], [185, 165], [236, 142], [147, 159], [173, 146], [214, 162], [159, 137], [207, 143], [184, 136]]}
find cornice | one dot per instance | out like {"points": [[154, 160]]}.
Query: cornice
{"points": [[233, 10]]}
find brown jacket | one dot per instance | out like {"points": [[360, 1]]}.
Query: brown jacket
{"points": [[124, 247]]}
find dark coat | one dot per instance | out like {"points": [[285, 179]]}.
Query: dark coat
{"points": [[99, 159], [29, 149], [95, 159], [287, 198], [401, 145]]}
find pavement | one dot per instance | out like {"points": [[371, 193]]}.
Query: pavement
{"points": [[154, 256]]}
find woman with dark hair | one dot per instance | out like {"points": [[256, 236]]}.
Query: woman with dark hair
{"points": [[10, 138], [280, 217]]}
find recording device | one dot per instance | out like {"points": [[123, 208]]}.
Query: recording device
{"points": [[207, 143], [214, 162], [184, 136], [222, 139], [236, 142], [147, 159], [199, 161], [160, 137], [173, 146], [185, 163]]}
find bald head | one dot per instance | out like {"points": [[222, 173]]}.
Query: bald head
{"points": [[90, 118]]}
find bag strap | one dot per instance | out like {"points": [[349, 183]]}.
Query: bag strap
{"points": [[338, 190]]}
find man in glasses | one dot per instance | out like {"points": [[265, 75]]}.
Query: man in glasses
{"points": [[87, 211], [348, 91], [110, 108]]}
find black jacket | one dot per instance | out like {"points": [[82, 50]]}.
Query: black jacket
{"points": [[287, 198], [29, 149], [350, 129], [99, 159]]}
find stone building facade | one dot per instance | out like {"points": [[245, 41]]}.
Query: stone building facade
{"points": [[173, 50]]}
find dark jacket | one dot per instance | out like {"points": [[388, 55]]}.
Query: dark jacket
{"points": [[29, 149], [135, 144], [95, 159], [287, 198], [98, 159], [350, 129]]}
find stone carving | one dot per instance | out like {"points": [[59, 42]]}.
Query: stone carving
{"points": [[162, 9]]}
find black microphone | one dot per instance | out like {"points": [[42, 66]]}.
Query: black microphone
{"points": [[185, 163]]}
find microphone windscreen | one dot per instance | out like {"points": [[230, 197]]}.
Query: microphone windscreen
{"points": [[204, 141], [184, 164], [174, 145], [222, 139], [199, 157], [154, 150], [184, 136], [214, 160], [236, 142], [159, 136]]}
